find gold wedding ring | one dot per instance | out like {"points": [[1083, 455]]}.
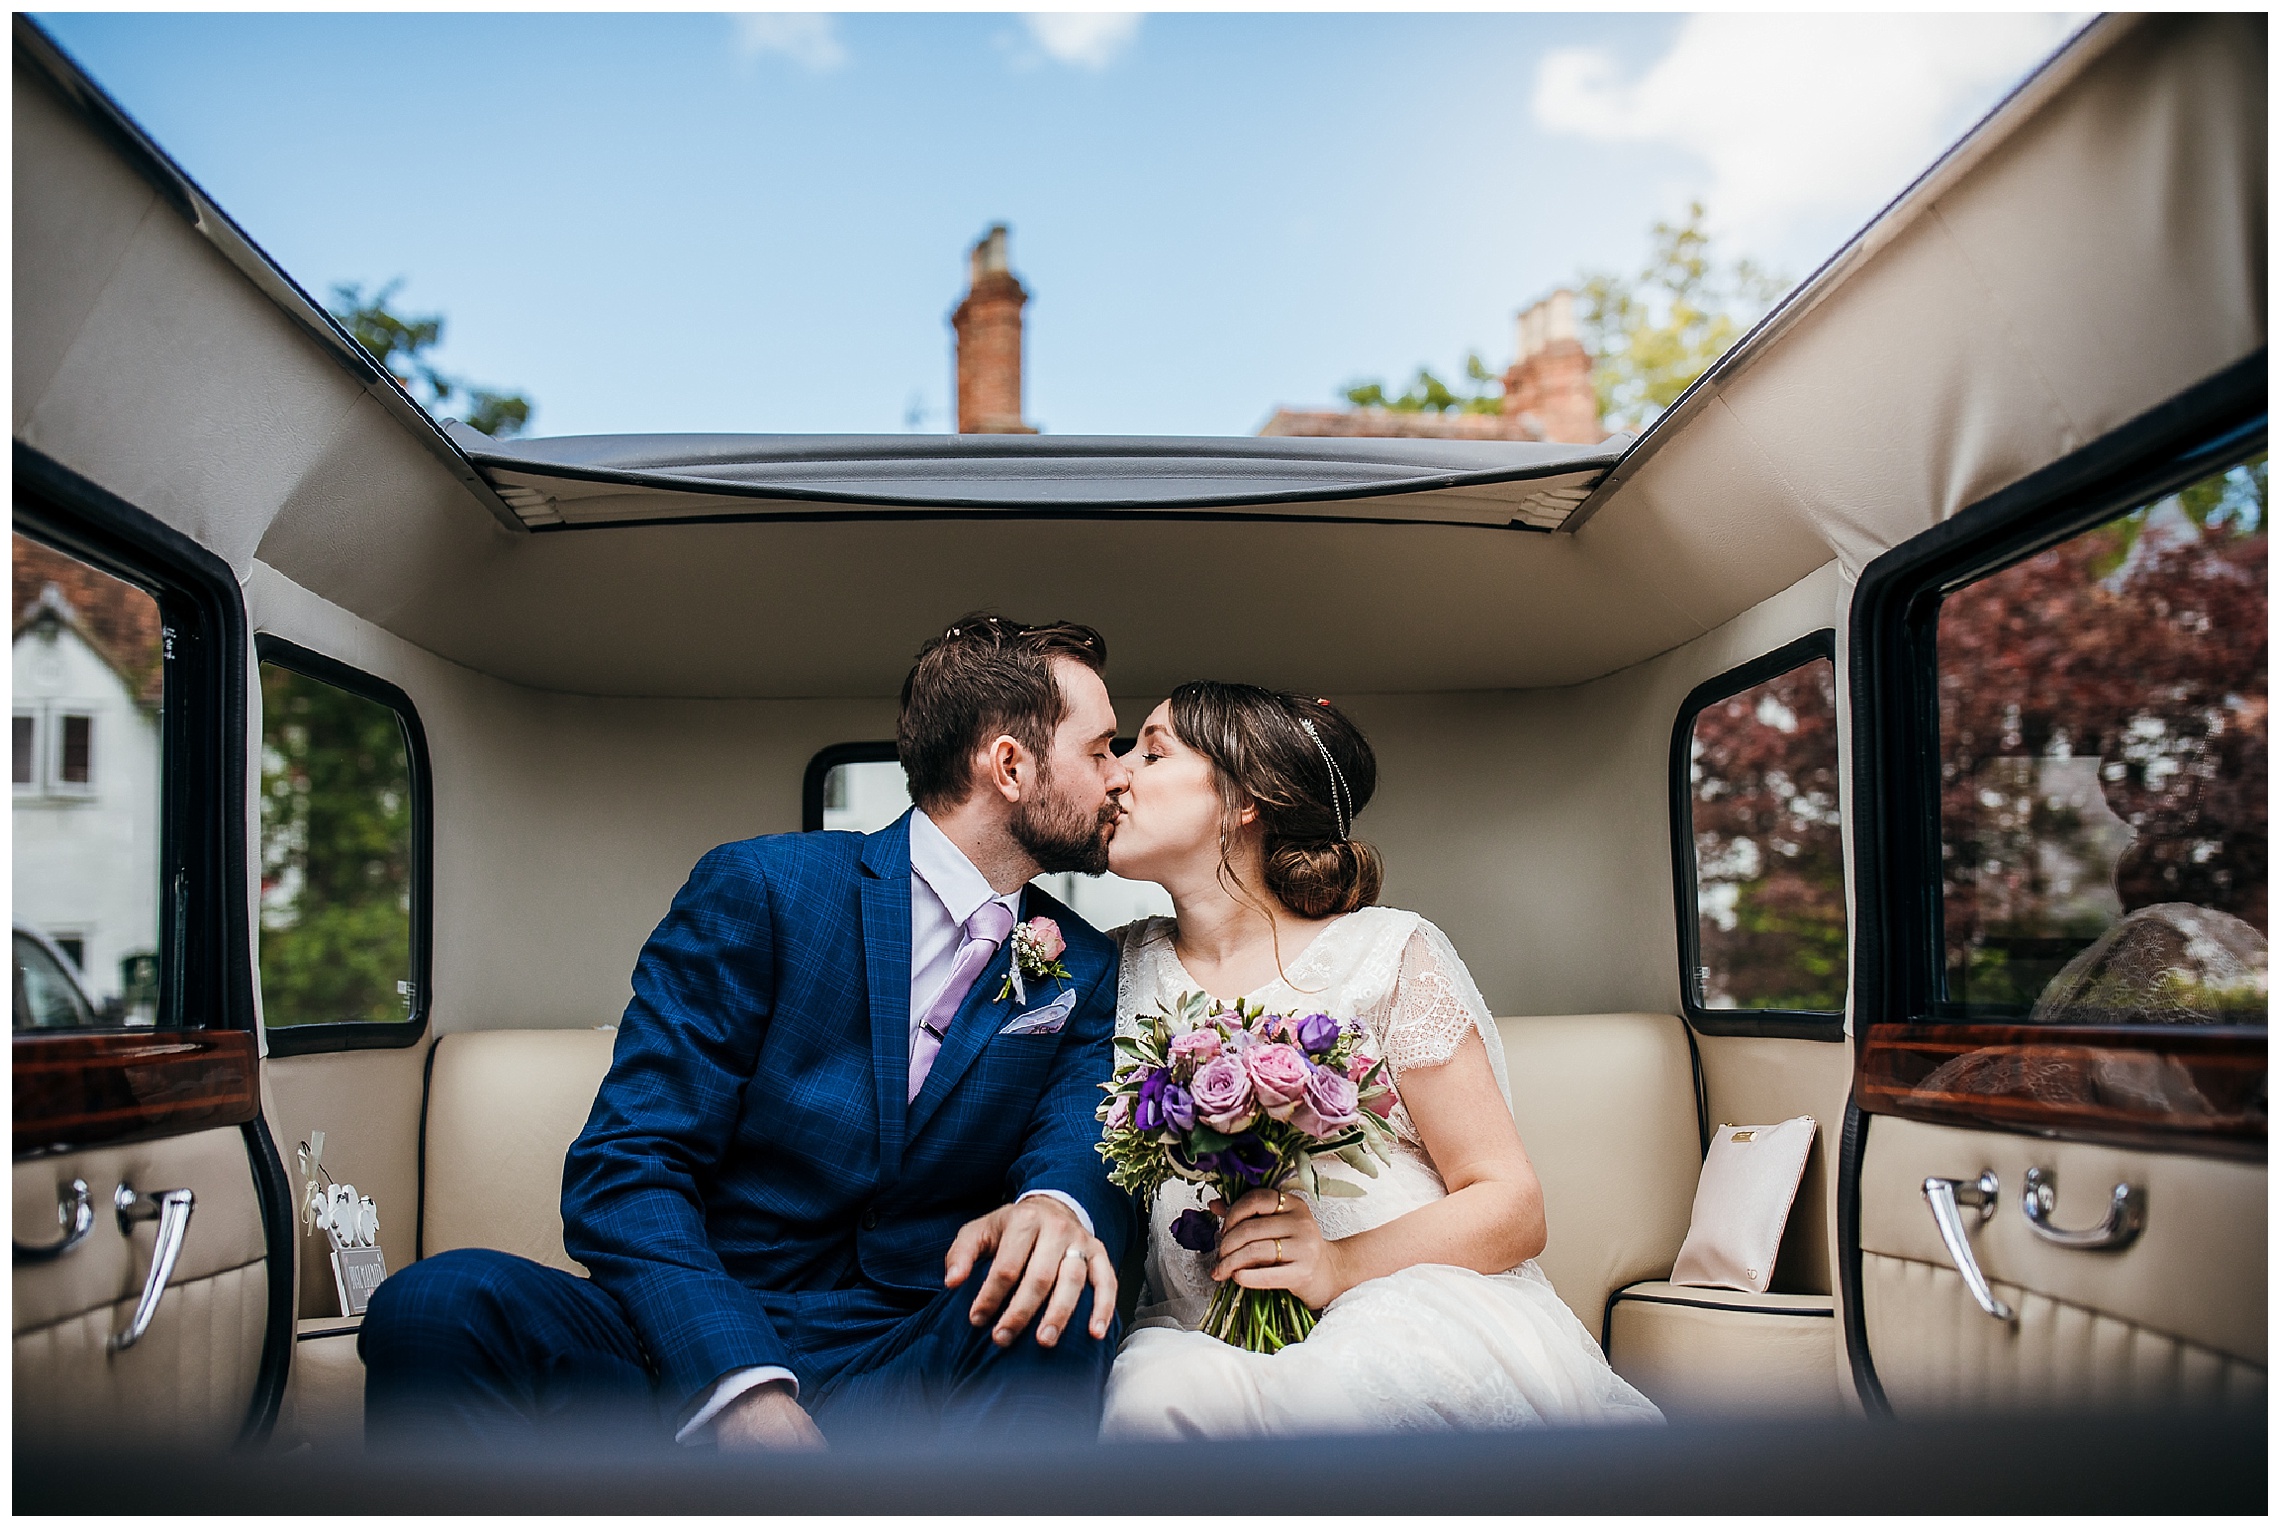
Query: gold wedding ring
{"points": [[1278, 1201], [1278, 1249]]}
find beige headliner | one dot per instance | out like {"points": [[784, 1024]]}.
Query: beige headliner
{"points": [[2100, 247]]}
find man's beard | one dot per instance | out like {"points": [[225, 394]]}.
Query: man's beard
{"points": [[1060, 835]]}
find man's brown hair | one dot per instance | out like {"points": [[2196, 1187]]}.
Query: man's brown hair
{"points": [[984, 676]]}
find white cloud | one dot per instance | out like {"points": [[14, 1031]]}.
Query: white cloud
{"points": [[1800, 114], [809, 39], [1087, 39]]}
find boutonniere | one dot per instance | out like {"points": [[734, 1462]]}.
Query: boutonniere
{"points": [[1037, 947]]}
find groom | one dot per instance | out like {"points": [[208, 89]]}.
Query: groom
{"points": [[838, 1172]]}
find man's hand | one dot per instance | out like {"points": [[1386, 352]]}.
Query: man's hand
{"points": [[1044, 1261], [766, 1417]]}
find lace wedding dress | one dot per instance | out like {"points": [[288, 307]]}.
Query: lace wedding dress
{"points": [[1430, 1347]]}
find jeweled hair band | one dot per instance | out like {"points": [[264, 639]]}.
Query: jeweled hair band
{"points": [[1341, 799]]}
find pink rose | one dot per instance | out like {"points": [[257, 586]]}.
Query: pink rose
{"points": [[1120, 1112], [1222, 1091], [1194, 1048], [1380, 1098], [1329, 1106], [1045, 938], [1278, 1076]]}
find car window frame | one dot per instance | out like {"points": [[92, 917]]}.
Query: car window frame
{"points": [[1899, 946], [820, 767], [394, 1034], [1761, 1023], [205, 954]]}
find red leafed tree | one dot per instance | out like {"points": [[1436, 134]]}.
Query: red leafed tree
{"points": [[2140, 644], [1768, 845]]}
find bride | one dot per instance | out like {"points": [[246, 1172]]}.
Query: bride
{"points": [[1433, 1314]]}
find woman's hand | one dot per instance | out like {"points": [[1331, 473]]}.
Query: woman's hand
{"points": [[1268, 1240]]}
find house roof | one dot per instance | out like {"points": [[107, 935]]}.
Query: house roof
{"points": [[1399, 424], [118, 620]]}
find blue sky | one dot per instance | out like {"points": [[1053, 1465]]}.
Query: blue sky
{"points": [[708, 222]]}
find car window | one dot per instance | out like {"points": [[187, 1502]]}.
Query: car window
{"points": [[2102, 735], [89, 685], [862, 790], [1759, 842], [342, 914]]}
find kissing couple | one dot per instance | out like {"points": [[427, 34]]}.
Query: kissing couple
{"points": [[842, 1175]]}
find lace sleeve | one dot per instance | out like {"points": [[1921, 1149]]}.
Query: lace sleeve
{"points": [[1435, 1005]]}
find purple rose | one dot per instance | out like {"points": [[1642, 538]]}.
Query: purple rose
{"points": [[1248, 1158], [1179, 1108], [1317, 1032], [1196, 1230], [1222, 1090], [1331, 1105], [1148, 1108], [1278, 1077]]}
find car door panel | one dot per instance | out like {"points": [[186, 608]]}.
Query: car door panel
{"points": [[2176, 1316], [193, 1376]]}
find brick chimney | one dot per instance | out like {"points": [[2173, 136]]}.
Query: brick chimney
{"points": [[1549, 386], [988, 325]]}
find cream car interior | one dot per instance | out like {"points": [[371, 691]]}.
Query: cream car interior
{"points": [[623, 653]]}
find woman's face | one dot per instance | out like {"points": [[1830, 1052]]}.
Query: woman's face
{"points": [[1170, 825]]}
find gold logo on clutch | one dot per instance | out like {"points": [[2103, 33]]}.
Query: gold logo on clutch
{"points": [[1746, 1135]]}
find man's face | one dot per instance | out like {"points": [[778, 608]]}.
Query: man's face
{"points": [[1066, 822]]}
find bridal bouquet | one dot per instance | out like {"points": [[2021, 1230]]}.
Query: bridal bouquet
{"points": [[1236, 1098]]}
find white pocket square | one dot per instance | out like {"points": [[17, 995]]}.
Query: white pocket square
{"points": [[1046, 1020]]}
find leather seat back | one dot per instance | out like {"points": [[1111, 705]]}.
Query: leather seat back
{"points": [[1605, 1104], [503, 1107]]}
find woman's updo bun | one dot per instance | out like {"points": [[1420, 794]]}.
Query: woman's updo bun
{"points": [[1324, 880], [1308, 770]]}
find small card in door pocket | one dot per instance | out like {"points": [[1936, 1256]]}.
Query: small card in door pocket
{"points": [[357, 1271]]}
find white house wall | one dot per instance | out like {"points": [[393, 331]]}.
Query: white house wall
{"points": [[86, 860]]}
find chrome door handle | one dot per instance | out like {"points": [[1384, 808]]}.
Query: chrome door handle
{"points": [[2125, 1215], [1946, 1196], [75, 1213], [171, 1209]]}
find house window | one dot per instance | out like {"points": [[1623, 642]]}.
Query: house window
{"points": [[2102, 775], [75, 762], [26, 739], [344, 855], [1758, 847], [859, 787]]}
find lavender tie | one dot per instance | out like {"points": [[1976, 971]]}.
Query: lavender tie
{"points": [[985, 931]]}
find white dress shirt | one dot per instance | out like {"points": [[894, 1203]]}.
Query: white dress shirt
{"points": [[945, 891]]}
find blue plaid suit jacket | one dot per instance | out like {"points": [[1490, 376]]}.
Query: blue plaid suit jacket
{"points": [[751, 1153]]}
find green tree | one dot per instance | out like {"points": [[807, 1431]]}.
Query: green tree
{"points": [[1651, 334], [336, 843], [400, 341], [1427, 393]]}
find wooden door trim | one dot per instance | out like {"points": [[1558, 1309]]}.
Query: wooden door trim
{"points": [[79, 1090], [2199, 1091]]}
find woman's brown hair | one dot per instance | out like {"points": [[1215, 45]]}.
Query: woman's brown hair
{"points": [[1307, 769]]}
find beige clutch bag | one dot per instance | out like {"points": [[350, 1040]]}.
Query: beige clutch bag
{"points": [[1741, 1205]]}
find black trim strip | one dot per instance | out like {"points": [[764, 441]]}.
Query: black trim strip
{"points": [[427, 1088], [1622, 1295], [278, 1223], [330, 1331], [317, 1039], [1853, 1145], [1771, 1023], [882, 516]]}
